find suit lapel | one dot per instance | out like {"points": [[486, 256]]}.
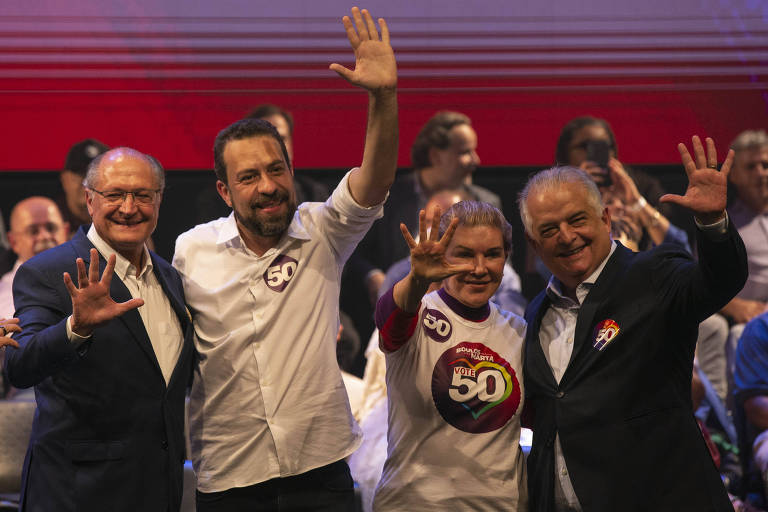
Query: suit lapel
{"points": [[583, 353]]}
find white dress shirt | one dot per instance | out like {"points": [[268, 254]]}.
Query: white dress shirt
{"points": [[157, 315], [268, 399]]}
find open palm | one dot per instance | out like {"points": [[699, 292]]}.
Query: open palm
{"points": [[375, 66], [92, 305]]}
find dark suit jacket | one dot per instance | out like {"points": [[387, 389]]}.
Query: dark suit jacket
{"points": [[624, 413], [108, 434]]}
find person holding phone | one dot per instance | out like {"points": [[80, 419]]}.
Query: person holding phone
{"points": [[589, 143]]}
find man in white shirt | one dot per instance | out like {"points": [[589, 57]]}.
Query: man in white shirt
{"points": [[110, 357], [270, 422], [610, 344]]}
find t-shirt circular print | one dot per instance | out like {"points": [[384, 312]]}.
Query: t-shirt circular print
{"points": [[475, 389]]}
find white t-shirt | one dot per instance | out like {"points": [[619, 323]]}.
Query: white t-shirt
{"points": [[455, 392], [268, 399]]}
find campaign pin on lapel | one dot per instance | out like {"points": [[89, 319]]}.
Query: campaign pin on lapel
{"points": [[605, 332]]}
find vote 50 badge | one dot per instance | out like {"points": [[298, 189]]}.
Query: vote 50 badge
{"points": [[605, 332]]}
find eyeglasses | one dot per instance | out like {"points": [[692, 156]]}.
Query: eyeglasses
{"points": [[141, 196]]}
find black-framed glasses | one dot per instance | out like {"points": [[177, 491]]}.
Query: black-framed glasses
{"points": [[141, 196]]}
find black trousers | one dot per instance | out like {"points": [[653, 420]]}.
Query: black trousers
{"points": [[329, 488]]}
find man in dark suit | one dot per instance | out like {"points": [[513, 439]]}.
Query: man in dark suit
{"points": [[110, 357], [610, 343]]}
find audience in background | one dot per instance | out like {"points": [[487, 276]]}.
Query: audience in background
{"points": [[72, 202], [749, 213], [36, 225]]}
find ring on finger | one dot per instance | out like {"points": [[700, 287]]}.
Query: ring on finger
{"points": [[712, 166]]}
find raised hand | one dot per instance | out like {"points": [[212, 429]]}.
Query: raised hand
{"points": [[7, 327], [92, 304], [375, 67], [707, 188], [428, 263]]}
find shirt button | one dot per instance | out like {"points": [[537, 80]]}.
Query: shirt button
{"points": [[564, 472], [560, 394], [569, 340]]}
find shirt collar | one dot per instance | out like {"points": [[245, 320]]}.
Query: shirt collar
{"points": [[122, 266], [555, 286], [229, 231]]}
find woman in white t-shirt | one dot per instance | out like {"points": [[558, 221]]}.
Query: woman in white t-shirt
{"points": [[454, 371]]}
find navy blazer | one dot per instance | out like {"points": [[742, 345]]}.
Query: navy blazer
{"points": [[108, 434], [624, 412]]}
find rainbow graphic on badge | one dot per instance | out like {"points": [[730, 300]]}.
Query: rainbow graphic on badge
{"points": [[474, 388], [605, 332]]}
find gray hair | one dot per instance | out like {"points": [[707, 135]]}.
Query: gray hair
{"points": [[555, 177], [750, 139], [477, 213], [92, 174]]}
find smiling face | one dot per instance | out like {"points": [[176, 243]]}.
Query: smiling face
{"points": [[259, 189], [125, 226], [482, 246], [567, 232]]}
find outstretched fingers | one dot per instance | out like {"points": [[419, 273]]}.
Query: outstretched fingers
{"points": [[93, 268], [407, 235], [448, 235], [726, 168], [711, 153], [384, 30], [109, 270], [698, 153]]}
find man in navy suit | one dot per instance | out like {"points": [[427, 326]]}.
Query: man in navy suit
{"points": [[610, 343], [109, 351]]}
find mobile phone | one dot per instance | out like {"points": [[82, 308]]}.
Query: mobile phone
{"points": [[599, 152]]}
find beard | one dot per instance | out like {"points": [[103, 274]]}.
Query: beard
{"points": [[267, 226]]}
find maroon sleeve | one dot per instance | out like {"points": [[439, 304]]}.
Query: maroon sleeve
{"points": [[395, 325]]}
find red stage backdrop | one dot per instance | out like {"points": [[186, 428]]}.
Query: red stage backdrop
{"points": [[165, 76]]}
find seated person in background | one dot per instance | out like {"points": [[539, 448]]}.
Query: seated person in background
{"points": [[589, 144], [749, 213], [750, 380], [454, 371], [72, 202], [36, 225]]}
